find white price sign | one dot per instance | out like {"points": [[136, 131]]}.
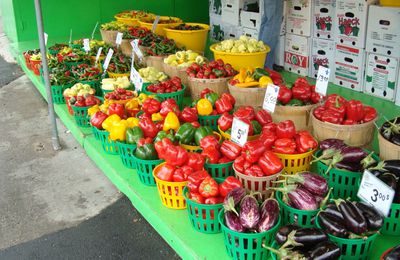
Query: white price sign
{"points": [[240, 131], [321, 86], [118, 39], [86, 45], [108, 58], [136, 79], [376, 193], [98, 54], [270, 98], [136, 49], [153, 29], [46, 36]]}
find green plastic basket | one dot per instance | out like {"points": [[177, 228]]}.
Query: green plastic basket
{"points": [[353, 249], [290, 215], [71, 64], [203, 217], [126, 151], [57, 94], [81, 116], [221, 170], [273, 255], [95, 84], [247, 245], [96, 133], [211, 121], [108, 145], [178, 95], [391, 225], [145, 170], [345, 184]]}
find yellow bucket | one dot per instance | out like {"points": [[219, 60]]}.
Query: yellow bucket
{"points": [[134, 20], [295, 163], [118, 75], [242, 60], [192, 40], [227, 136], [390, 2], [147, 22]]}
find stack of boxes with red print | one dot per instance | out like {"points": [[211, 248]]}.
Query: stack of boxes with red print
{"points": [[383, 53]]}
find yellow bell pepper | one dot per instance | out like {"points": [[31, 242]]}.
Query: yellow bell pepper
{"points": [[204, 107], [171, 122], [118, 130], [156, 117], [142, 97], [132, 104], [92, 110], [110, 121], [242, 75], [265, 81], [132, 122], [104, 107]]}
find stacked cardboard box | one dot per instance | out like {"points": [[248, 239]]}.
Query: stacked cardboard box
{"points": [[280, 50]]}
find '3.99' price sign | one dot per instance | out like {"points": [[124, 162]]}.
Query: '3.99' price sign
{"points": [[376, 193]]}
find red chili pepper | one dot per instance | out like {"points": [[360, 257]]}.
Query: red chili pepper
{"points": [[196, 197], [208, 188], [195, 179], [175, 155], [97, 119], [253, 150], [195, 161], [369, 114], [318, 112], [165, 172], [245, 112], [229, 184], [230, 149], [354, 110], [148, 127], [151, 106], [285, 146], [143, 141], [231, 98], [285, 94], [169, 105], [270, 127], [254, 170], [117, 109], [204, 92], [268, 139], [286, 129], [332, 116], [209, 141], [305, 142], [223, 105], [225, 121], [188, 115], [263, 117], [211, 155], [270, 163]]}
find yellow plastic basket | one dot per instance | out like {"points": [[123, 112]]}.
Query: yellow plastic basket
{"points": [[295, 163], [390, 2], [242, 60], [192, 40], [117, 75], [228, 136], [147, 23], [171, 193], [195, 148]]}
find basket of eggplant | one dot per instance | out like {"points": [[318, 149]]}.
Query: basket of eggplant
{"points": [[389, 172], [301, 197], [392, 253], [343, 166], [389, 140], [294, 242], [247, 224], [353, 226]]}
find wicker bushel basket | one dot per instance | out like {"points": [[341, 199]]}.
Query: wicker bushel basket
{"points": [[126, 47], [300, 115], [155, 61], [354, 135], [388, 150], [173, 71], [248, 96], [219, 86], [109, 36]]}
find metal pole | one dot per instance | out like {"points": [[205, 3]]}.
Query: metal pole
{"points": [[39, 20]]}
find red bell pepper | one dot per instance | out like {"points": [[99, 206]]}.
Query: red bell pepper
{"points": [[175, 155], [97, 119], [285, 94], [263, 117], [117, 109], [196, 197], [369, 114], [224, 159], [209, 141], [275, 76], [318, 112], [315, 97], [204, 92], [270, 127], [195, 124], [337, 104], [270, 163], [195, 179], [245, 112], [161, 146], [148, 127], [160, 125], [229, 97], [332, 116], [286, 129], [349, 122], [208, 188], [268, 139], [354, 110], [230, 149], [285, 146], [195, 161], [151, 106], [251, 128], [188, 115], [143, 141], [165, 172], [253, 150], [240, 164], [223, 105], [254, 170], [229, 184], [301, 90], [182, 173], [211, 155], [225, 121], [305, 142], [169, 105], [213, 201]]}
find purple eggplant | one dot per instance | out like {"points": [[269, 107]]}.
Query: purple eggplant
{"points": [[233, 222], [249, 213], [396, 198], [326, 250], [332, 143], [389, 179], [371, 215], [353, 218], [332, 225], [333, 210], [352, 154], [349, 166], [313, 182], [302, 199], [269, 215], [233, 199], [393, 254], [283, 232], [309, 237], [392, 166]]}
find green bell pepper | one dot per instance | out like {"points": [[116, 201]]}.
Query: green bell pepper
{"points": [[295, 102], [146, 152], [185, 133], [133, 135], [258, 73], [162, 134], [212, 97], [202, 132], [256, 127], [194, 102]]}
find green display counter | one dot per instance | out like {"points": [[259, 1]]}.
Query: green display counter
{"points": [[172, 225]]}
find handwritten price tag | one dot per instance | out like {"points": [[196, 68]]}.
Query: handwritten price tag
{"points": [[86, 45], [153, 28], [136, 79], [321, 86], [118, 39], [240, 131], [270, 98], [136, 49], [376, 193], [46, 36], [98, 54], [108, 58]]}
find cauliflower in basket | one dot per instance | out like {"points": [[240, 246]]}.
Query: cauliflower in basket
{"points": [[184, 59], [244, 44]]}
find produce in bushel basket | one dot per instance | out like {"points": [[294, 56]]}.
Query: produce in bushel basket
{"points": [[169, 86], [389, 139], [110, 84], [162, 48], [255, 77], [212, 70], [211, 103], [120, 64], [299, 94], [242, 45], [152, 75], [84, 72]]}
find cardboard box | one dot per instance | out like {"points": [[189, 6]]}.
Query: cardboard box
{"points": [[322, 54], [232, 31], [284, 16], [298, 19], [381, 76], [216, 28], [398, 88], [215, 7], [349, 67], [383, 32], [231, 10], [250, 32], [280, 52], [323, 19], [297, 53], [351, 22], [250, 20]]}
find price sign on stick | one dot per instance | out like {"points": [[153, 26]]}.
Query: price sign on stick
{"points": [[86, 45], [46, 36], [108, 58], [98, 54], [321, 86], [376, 193], [270, 98], [240, 131], [135, 77], [136, 49], [118, 39], [153, 29]]}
